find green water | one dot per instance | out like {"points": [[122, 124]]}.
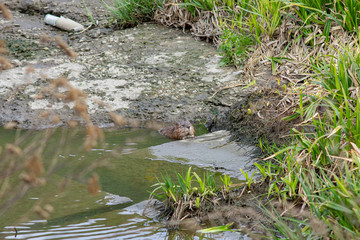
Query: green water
{"points": [[128, 169]]}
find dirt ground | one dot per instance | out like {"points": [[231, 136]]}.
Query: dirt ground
{"points": [[149, 72]]}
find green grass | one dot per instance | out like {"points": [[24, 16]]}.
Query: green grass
{"points": [[129, 13], [194, 6], [319, 164], [234, 47], [345, 13], [321, 167], [189, 190], [88, 12]]}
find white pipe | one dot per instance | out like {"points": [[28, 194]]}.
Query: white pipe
{"points": [[63, 23]]}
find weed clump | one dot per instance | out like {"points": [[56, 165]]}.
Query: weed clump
{"points": [[189, 194], [129, 13], [234, 47]]}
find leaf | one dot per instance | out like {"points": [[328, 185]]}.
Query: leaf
{"points": [[217, 229], [249, 85]]}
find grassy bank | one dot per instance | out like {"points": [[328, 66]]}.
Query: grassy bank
{"points": [[312, 48]]}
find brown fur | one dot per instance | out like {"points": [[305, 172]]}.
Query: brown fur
{"points": [[179, 131]]}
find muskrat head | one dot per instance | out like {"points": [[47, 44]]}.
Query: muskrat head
{"points": [[188, 127]]}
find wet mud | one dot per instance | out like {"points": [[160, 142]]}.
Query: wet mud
{"points": [[149, 72]]}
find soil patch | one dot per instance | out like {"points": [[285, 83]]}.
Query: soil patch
{"points": [[149, 72], [260, 111], [241, 208]]}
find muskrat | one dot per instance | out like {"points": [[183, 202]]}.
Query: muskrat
{"points": [[180, 130]]}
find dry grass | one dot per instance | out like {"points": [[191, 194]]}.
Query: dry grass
{"points": [[63, 45], [6, 12], [4, 63], [297, 55], [204, 27]]}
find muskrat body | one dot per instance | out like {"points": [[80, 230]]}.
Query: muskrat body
{"points": [[180, 130]]}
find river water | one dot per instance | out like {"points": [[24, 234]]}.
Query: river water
{"points": [[126, 180]]}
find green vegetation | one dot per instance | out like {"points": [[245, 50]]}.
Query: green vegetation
{"points": [[189, 191], [88, 13], [317, 167], [249, 179], [25, 49], [225, 228], [320, 167], [131, 12], [195, 6], [200, 128], [234, 47]]}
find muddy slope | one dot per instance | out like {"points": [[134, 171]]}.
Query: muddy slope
{"points": [[149, 72]]}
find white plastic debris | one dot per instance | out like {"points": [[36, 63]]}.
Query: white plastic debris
{"points": [[63, 23]]}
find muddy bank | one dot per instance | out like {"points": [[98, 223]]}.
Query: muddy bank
{"points": [[149, 72]]}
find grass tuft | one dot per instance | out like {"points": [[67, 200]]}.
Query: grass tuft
{"points": [[129, 13], [188, 192]]}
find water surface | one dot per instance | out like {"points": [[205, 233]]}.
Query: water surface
{"points": [[126, 179]]}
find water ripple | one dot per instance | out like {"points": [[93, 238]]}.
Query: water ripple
{"points": [[92, 229]]}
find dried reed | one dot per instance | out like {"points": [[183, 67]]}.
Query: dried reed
{"points": [[5, 11]]}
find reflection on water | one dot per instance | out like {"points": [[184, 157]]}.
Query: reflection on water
{"points": [[134, 228], [126, 179], [98, 228]]}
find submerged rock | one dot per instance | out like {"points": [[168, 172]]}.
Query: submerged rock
{"points": [[214, 150], [148, 208]]}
